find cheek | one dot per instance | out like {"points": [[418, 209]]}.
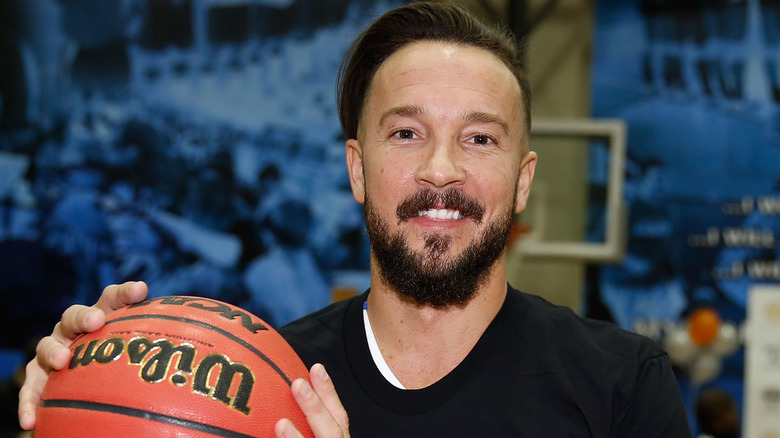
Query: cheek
{"points": [[389, 176], [496, 187], [384, 185]]}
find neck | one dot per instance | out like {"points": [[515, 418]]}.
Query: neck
{"points": [[422, 344]]}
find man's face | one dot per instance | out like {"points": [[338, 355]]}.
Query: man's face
{"points": [[439, 163]]}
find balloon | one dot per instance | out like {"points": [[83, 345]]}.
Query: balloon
{"points": [[727, 341], [679, 346], [705, 368], [703, 326]]}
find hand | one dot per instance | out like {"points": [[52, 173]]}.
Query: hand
{"points": [[53, 353], [321, 405]]}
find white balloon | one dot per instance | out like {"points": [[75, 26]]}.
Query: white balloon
{"points": [[705, 368], [727, 341], [680, 347]]}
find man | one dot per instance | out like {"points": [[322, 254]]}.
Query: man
{"points": [[436, 109]]}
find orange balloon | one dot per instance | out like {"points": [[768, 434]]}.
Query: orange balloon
{"points": [[703, 326]]}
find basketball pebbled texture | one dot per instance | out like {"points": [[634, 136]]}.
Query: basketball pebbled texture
{"points": [[174, 366]]}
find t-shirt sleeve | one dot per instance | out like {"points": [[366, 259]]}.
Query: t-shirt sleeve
{"points": [[656, 408]]}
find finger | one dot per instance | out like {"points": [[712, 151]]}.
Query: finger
{"points": [[52, 354], [78, 319], [319, 418], [285, 429], [30, 394], [324, 388], [117, 296]]}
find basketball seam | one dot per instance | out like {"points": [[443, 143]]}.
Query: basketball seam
{"points": [[225, 333], [140, 413]]}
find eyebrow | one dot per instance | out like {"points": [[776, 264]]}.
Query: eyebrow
{"points": [[482, 117], [469, 116], [401, 111]]}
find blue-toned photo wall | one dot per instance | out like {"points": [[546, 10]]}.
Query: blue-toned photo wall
{"points": [[698, 84], [192, 144]]}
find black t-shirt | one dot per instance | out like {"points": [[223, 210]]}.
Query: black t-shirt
{"points": [[539, 370]]}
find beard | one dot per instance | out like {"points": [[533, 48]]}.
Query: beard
{"points": [[428, 277]]}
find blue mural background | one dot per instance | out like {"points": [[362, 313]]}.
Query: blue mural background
{"points": [[190, 144], [698, 84]]}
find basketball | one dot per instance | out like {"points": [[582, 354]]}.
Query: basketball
{"points": [[174, 366]]}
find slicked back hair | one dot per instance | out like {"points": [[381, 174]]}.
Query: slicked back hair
{"points": [[424, 21]]}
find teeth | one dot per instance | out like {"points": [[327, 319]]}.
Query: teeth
{"points": [[441, 214]]}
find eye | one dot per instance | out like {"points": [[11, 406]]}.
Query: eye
{"points": [[404, 134], [481, 139]]}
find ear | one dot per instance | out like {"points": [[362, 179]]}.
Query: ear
{"points": [[527, 169], [355, 168]]}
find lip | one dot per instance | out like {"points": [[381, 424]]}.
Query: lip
{"points": [[436, 224]]}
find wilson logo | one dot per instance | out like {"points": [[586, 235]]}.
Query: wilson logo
{"points": [[155, 359]]}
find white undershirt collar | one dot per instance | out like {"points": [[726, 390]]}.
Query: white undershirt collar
{"points": [[376, 354]]}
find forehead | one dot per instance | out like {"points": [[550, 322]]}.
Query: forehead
{"points": [[442, 77]]}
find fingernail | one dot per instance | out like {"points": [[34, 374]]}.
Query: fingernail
{"points": [[322, 374], [305, 388]]}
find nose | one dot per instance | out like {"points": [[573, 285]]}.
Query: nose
{"points": [[441, 165]]}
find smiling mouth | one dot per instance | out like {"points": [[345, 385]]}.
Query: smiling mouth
{"points": [[448, 204], [442, 213]]}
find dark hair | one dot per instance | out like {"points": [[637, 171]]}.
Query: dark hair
{"points": [[423, 21], [717, 413]]}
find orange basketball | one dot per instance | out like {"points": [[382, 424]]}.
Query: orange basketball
{"points": [[176, 367]]}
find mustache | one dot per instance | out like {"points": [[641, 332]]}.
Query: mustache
{"points": [[450, 199]]}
